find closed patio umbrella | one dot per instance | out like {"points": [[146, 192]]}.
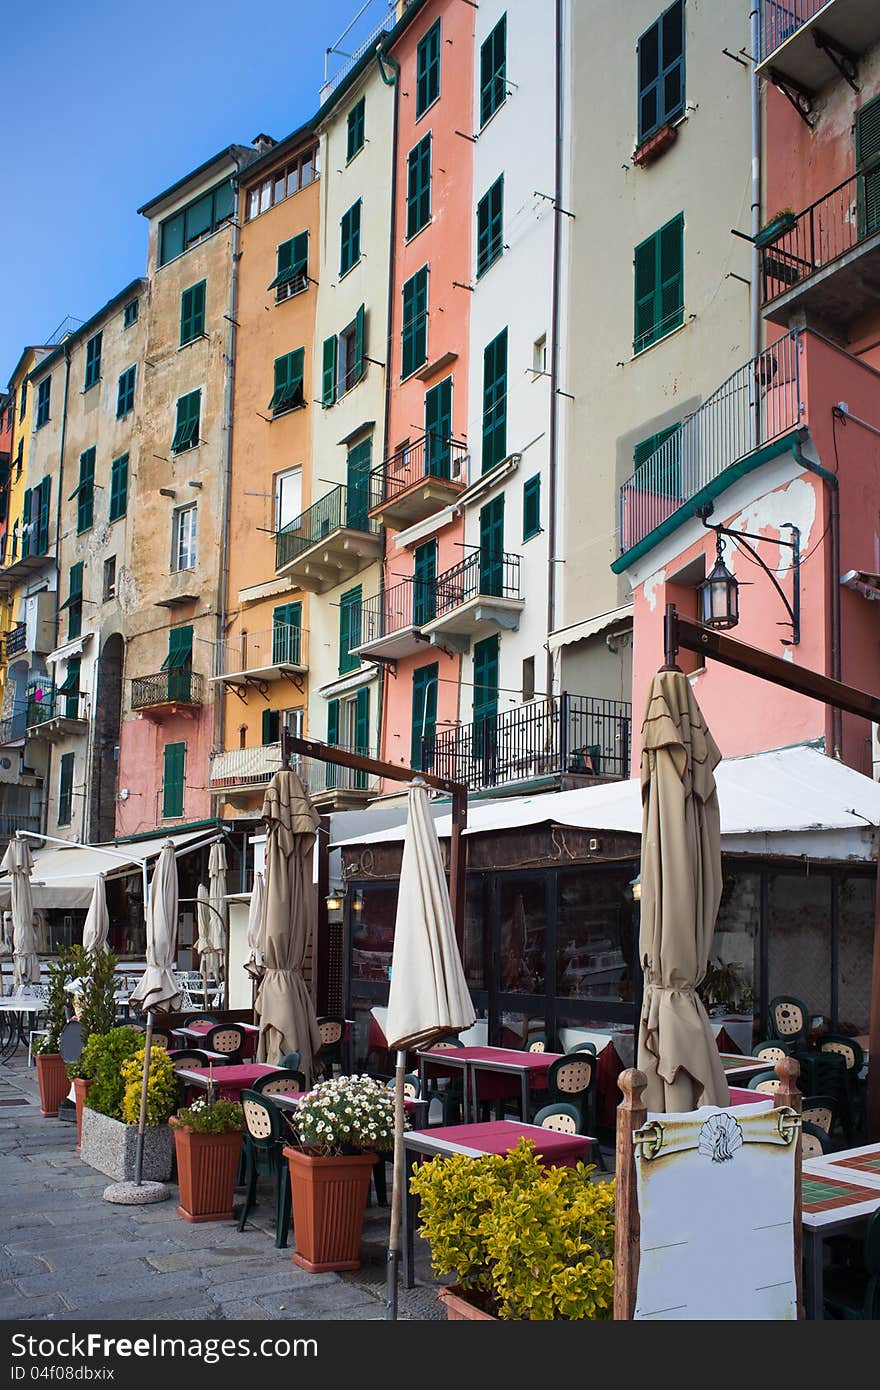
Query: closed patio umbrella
{"points": [[283, 1004], [97, 924], [220, 915], [208, 956], [254, 964], [18, 863], [428, 998], [681, 892]]}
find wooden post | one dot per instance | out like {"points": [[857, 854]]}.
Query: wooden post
{"points": [[631, 1115], [788, 1070]]}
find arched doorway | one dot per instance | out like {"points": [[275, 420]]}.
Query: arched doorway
{"points": [[106, 717]]}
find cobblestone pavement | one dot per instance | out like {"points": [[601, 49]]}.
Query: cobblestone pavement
{"points": [[67, 1254]]}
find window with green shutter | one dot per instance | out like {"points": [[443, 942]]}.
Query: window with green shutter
{"points": [[328, 372], [438, 429], [349, 630], [495, 401], [73, 603], [424, 583], [178, 663], [287, 634], [356, 134], [414, 353], [493, 71], [492, 547], [65, 789], [868, 164], [22, 403], [332, 773], [292, 267], [532, 507], [271, 730], [186, 431], [657, 462], [428, 69], [350, 238], [424, 716], [44, 391], [661, 71], [357, 479], [118, 487], [40, 516], [26, 532], [125, 392], [130, 313], [659, 284], [198, 219], [93, 362], [173, 779], [418, 187], [361, 732], [485, 710], [69, 688], [288, 392], [490, 226], [84, 492], [192, 313]]}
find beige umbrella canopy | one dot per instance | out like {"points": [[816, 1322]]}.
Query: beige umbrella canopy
{"points": [[157, 988], [96, 929], [209, 956], [220, 916], [681, 891], [283, 1004], [254, 965], [18, 863]]}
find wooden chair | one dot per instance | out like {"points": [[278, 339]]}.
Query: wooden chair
{"points": [[264, 1140], [227, 1038]]}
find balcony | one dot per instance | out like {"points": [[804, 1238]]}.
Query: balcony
{"points": [[564, 737], [16, 641], [801, 39], [475, 598], [755, 408], [329, 543], [827, 264], [13, 729], [239, 773], [391, 622], [256, 658], [10, 826], [53, 716], [167, 692], [417, 481]]}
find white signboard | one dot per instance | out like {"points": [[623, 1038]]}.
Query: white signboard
{"points": [[716, 1206]]}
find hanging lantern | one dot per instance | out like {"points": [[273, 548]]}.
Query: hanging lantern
{"points": [[719, 594]]}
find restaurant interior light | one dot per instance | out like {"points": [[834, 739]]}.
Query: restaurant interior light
{"points": [[334, 902]]}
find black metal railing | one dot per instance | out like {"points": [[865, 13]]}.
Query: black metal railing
{"points": [[480, 575], [343, 508], [406, 605], [47, 703], [10, 825], [782, 18], [182, 687], [432, 456], [559, 734], [13, 727], [16, 640], [836, 223]]}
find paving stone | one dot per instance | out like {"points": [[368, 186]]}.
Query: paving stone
{"points": [[16, 1306]]}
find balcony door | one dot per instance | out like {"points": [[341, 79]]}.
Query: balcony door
{"points": [[438, 429], [425, 583], [286, 632], [492, 547], [485, 734], [358, 479], [178, 664]]}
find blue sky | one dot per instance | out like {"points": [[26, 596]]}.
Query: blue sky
{"points": [[103, 105]]}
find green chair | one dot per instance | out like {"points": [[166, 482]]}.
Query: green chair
{"points": [[572, 1078], [561, 1116], [450, 1093], [788, 1019], [852, 1291], [772, 1050], [820, 1111], [537, 1042], [855, 1085], [290, 1059], [825, 1074], [815, 1141], [283, 1081], [767, 1083], [585, 1047], [227, 1038], [264, 1139], [332, 1030]]}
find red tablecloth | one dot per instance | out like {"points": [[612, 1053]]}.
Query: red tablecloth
{"points": [[249, 1046], [492, 1086], [500, 1136], [229, 1082]]}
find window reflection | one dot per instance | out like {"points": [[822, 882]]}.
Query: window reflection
{"points": [[523, 936], [594, 937], [373, 910]]}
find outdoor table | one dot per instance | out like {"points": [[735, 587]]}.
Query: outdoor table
{"points": [[839, 1190], [530, 1067], [218, 1058], [192, 1032], [494, 1137], [15, 1013], [229, 1082], [737, 1068]]}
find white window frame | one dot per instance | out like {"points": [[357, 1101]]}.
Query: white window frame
{"points": [[184, 536], [283, 512]]}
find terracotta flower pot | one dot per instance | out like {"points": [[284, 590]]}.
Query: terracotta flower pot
{"points": [[52, 1080], [459, 1309], [81, 1087], [329, 1200], [207, 1165]]}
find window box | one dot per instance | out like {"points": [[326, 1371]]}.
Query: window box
{"points": [[776, 228], [655, 145]]}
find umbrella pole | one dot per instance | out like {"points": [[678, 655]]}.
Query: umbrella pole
{"points": [[142, 1118], [396, 1193]]}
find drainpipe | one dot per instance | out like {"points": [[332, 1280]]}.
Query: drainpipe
{"points": [[832, 487], [553, 441], [47, 785], [755, 104]]}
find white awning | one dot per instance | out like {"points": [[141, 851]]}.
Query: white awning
{"points": [[792, 801], [65, 877], [590, 627]]}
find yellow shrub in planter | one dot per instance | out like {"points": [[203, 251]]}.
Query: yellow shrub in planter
{"points": [[524, 1241], [161, 1087]]}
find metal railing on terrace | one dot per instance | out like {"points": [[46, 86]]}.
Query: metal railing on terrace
{"points": [[281, 645], [16, 640], [350, 60], [782, 18], [559, 734], [758, 403], [182, 687], [432, 456], [51, 704], [836, 223], [342, 508], [477, 575], [13, 727], [405, 605], [10, 825], [244, 767]]}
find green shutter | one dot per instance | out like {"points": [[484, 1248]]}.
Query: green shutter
{"points": [[125, 392], [84, 491], [180, 643], [660, 71], [186, 433], [490, 226], [663, 474], [356, 129], [532, 507], [292, 266], [328, 373], [362, 732], [349, 630], [425, 583], [659, 284], [485, 680], [287, 634], [495, 402], [70, 688], [93, 362], [418, 196], [26, 533], [271, 730], [359, 341], [492, 547], [118, 487], [173, 779], [414, 352], [73, 603], [350, 238], [868, 161], [42, 518], [493, 71], [424, 715], [332, 773], [288, 392], [357, 501], [65, 789], [438, 429], [428, 69], [192, 313], [43, 397]]}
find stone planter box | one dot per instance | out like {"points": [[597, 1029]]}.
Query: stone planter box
{"points": [[109, 1146]]}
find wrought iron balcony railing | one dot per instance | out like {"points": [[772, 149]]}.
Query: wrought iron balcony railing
{"points": [[836, 223], [343, 508], [273, 647], [406, 605], [432, 456], [782, 18], [16, 640], [477, 575], [759, 402], [559, 734], [183, 687]]}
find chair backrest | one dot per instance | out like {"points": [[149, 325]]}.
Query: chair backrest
{"points": [[291, 1060], [573, 1074], [138, 1027], [443, 1044], [201, 1018], [562, 1117], [162, 1038], [331, 1030], [261, 1119], [772, 1051], [225, 1037], [820, 1110], [766, 1082], [187, 1057], [584, 1047], [851, 1051], [823, 1073], [412, 1088], [788, 1017], [815, 1141], [281, 1082], [537, 1044]]}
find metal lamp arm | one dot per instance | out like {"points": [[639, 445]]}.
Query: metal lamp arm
{"points": [[792, 609]]}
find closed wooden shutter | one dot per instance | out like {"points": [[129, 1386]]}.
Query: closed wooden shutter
{"points": [[328, 373], [173, 779], [868, 161], [495, 402]]}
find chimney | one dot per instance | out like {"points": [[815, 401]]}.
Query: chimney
{"points": [[262, 143]]}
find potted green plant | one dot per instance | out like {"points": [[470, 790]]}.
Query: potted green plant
{"points": [[52, 1078], [97, 1016], [207, 1141], [339, 1128], [110, 1117], [780, 223], [522, 1241]]}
